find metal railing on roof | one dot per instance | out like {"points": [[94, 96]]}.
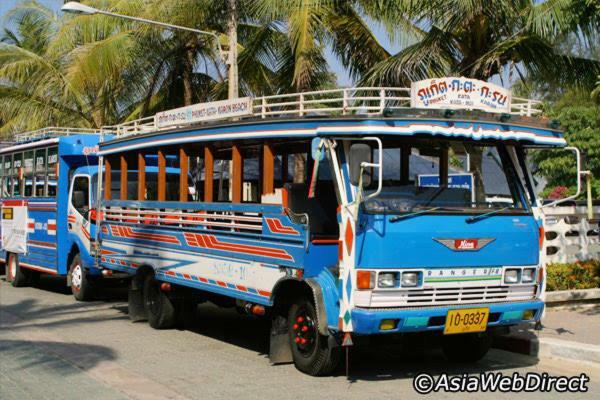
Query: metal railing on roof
{"points": [[360, 101], [52, 132]]}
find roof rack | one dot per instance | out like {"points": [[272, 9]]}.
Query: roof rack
{"points": [[359, 101], [52, 132]]}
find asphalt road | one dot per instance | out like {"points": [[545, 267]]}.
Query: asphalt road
{"points": [[54, 347]]}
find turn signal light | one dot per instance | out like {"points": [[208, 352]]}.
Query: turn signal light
{"points": [[528, 315], [365, 279], [541, 238]]}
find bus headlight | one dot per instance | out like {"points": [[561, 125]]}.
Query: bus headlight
{"points": [[409, 279], [528, 275], [511, 276], [387, 279]]}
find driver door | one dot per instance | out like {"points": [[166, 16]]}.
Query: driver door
{"points": [[79, 209]]}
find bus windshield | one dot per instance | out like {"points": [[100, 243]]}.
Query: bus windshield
{"points": [[454, 176]]}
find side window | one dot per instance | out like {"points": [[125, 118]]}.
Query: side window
{"points": [[52, 171], [40, 172], [80, 195], [28, 163], [17, 171]]}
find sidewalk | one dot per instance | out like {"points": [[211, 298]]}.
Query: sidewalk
{"points": [[571, 332]]}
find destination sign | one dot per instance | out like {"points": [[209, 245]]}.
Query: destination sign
{"points": [[460, 93], [204, 112]]}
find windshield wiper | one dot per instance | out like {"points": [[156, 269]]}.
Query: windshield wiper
{"points": [[424, 211], [476, 218]]}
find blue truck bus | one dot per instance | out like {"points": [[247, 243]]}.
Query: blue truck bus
{"points": [[46, 179], [335, 214]]}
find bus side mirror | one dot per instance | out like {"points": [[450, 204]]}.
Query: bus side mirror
{"points": [[581, 174], [360, 153]]}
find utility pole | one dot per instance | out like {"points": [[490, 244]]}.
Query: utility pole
{"points": [[232, 53]]}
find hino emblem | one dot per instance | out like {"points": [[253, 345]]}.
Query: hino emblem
{"points": [[465, 244]]}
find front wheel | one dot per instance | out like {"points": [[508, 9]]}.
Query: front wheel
{"points": [[311, 351], [14, 273], [80, 283], [466, 348]]}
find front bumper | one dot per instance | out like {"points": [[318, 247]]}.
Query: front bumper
{"points": [[367, 321]]}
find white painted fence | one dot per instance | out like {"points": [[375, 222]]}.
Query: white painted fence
{"points": [[570, 236]]}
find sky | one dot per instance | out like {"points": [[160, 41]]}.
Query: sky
{"points": [[342, 75]]}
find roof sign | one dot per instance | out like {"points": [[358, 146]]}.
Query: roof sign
{"points": [[459, 93], [204, 112]]}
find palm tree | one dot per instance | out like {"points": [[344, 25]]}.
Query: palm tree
{"points": [[483, 38]]}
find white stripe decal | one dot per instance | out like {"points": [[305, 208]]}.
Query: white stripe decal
{"points": [[479, 133]]}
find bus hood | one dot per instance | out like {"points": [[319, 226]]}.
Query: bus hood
{"points": [[424, 241]]}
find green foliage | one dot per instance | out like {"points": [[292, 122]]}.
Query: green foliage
{"points": [[579, 275], [580, 120], [484, 38]]}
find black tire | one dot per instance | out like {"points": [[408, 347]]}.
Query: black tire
{"points": [[81, 287], [14, 273], [310, 350], [159, 308], [466, 348]]}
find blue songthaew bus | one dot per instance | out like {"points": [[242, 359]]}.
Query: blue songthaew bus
{"points": [[338, 214], [46, 180]]}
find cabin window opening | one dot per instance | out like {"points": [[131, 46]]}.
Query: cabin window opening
{"points": [[40, 173], [52, 172]]}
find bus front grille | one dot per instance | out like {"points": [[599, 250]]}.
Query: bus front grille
{"points": [[440, 296]]}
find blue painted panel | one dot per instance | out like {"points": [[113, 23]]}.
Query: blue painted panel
{"points": [[409, 243]]}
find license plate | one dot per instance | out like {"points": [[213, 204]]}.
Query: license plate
{"points": [[466, 320]]}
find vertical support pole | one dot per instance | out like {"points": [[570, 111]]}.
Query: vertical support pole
{"points": [[162, 176], [141, 193], [238, 174], [404, 163], [444, 167], [284, 168], [108, 177], [268, 172], [209, 172], [123, 181], [184, 167]]}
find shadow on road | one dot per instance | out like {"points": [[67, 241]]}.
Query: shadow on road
{"points": [[52, 355]]}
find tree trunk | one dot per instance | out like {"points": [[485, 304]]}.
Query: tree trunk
{"points": [[232, 62], [188, 73], [299, 168]]}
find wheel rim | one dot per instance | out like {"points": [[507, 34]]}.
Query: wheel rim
{"points": [[304, 332], [12, 268], [76, 277]]}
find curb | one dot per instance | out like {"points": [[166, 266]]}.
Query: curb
{"points": [[549, 348], [561, 296]]}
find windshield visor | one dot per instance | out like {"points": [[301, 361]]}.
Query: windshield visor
{"points": [[448, 176]]}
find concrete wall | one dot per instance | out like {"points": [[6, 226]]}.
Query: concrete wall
{"points": [[570, 236]]}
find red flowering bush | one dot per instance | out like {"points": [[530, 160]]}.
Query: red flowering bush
{"points": [[559, 192]]}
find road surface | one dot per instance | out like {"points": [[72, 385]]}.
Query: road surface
{"points": [[54, 347]]}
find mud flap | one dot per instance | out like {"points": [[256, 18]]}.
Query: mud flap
{"points": [[136, 300], [279, 343]]}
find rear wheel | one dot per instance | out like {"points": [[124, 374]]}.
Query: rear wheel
{"points": [[80, 284], [159, 308], [311, 351], [14, 273], [469, 347]]}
